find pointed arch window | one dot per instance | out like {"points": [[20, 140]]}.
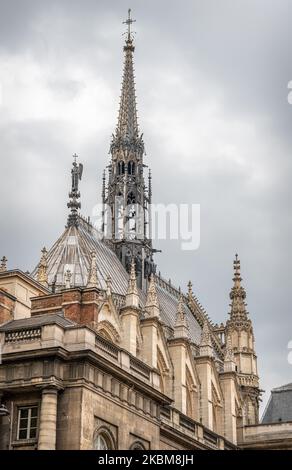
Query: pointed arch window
{"points": [[103, 440], [131, 167], [121, 168]]}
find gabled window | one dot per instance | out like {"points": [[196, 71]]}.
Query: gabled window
{"points": [[27, 422]]}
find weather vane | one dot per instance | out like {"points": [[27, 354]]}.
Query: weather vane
{"points": [[128, 22]]}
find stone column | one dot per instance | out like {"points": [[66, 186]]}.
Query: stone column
{"points": [[48, 419]]}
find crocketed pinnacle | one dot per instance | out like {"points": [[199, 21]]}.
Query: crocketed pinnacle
{"points": [[42, 275], [206, 335], [152, 305], [3, 265], [132, 297], [181, 327], [132, 285], [92, 274], [237, 295]]}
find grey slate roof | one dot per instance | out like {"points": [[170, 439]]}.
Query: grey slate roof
{"points": [[279, 407], [73, 251], [37, 321], [168, 306]]}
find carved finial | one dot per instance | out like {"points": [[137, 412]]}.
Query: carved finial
{"points": [[132, 298], [68, 276], [238, 295], [181, 327], [42, 275], [206, 337], [190, 290], [152, 305], [74, 204], [92, 274], [129, 21], [3, 266], [206, 348], [108, 286]]}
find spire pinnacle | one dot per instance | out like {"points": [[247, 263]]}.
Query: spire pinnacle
{"points": [[237, 295], [42, 275], [152, 305], [190, 290], [132, 298], [92, 273], [74, 204], [3, 266], [181, 327], [206, 342]]}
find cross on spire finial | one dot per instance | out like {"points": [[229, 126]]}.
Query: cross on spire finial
{"points": [[236, 265], [129, 22]]}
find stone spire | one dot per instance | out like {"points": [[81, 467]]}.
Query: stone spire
{"points": [[181, 327], [132, 297], [92, 273], [127, 130], [3, 266], [42, 275], [127, 220], [238, 313], [152, 305], [74, 195], [206, 342]]}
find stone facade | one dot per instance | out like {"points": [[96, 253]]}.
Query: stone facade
{"points": [[102, 376]]}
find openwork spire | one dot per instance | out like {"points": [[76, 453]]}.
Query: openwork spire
{"points": [[237, 295], [3, 265], [92, 274], [152, 305], [42, 275], [127, 137], [74, 195]]}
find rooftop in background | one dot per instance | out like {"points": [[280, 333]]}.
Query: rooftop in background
{"points": [[279, 407]]}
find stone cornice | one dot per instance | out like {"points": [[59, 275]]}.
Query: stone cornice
{"points": [[24, 277]]}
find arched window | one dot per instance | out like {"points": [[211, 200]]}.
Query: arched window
{"points": [[131, 168], [103, 440], [100, 443], [121, 168]]}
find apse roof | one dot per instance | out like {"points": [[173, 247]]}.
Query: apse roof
{"points": [[73, 251]]}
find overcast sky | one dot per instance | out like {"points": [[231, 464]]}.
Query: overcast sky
{"points": [[212, 80]]}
